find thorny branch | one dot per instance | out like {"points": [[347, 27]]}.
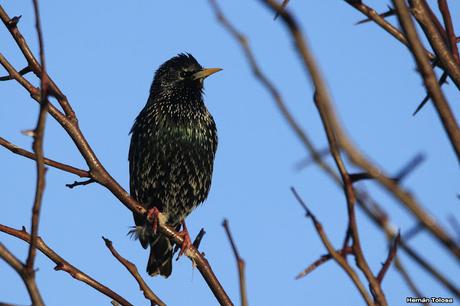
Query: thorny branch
{"points": [[357, 158], [429, 78], [373, 211]]}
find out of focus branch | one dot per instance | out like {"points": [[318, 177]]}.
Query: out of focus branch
{"points": [[355, 155], [27, 278], [240, 263], [377, 216], [63, 265], [148, 293], [429, 78]]}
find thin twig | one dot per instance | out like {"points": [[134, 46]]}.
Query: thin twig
{"points": [[148, 293], [80, 183], [37, 146], [63, 265], [64, 167], [240, 264], [27, 278], [323, 259], [23, 71], [391, 255], [335, 255]]}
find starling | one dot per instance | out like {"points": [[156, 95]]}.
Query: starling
{"points": [[171, 155]]}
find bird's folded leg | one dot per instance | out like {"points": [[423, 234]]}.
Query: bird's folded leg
{"points": [[153, 213], [187, 242]]}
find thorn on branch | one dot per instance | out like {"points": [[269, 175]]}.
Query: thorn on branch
{"points": [[13, 22], [391, 11], [355, 177], [412, 232], [199, 237], [23, 71], [311, 159], [80, 183], [308, 213], [407, 169], [442, 81], [282, 8]]}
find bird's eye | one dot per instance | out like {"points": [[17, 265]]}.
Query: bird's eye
{"points": [[183, 74]]}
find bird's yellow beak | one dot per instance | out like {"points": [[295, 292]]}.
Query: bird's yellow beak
{"points": [[204, 73]]}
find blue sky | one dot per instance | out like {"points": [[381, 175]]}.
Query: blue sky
{"points": [[103, 55]]}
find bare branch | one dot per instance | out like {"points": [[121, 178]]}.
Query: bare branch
{"points": [[323, 259], [240, 264], [148, 293], [37, 146], [64, 167]]}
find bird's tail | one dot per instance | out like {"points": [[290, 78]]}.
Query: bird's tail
{"points": [[161, 255]]}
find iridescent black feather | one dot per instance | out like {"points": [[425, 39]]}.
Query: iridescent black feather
{"points": [[171, 156]]}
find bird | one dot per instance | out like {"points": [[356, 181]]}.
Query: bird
{"points": [[171, 155]]}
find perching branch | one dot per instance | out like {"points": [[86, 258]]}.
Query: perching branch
{"points": [[97, 171]]}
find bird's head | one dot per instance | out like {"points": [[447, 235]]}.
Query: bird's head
{"points": [[181, 73]]}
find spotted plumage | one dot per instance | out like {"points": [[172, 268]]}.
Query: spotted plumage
{"points": [[171, 156]]}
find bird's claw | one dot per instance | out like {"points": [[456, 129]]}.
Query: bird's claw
{"points": [[153, 214], [186, 241]]}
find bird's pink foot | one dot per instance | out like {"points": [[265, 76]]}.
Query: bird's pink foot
{"points": [[187, 242], [153, 214]]}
